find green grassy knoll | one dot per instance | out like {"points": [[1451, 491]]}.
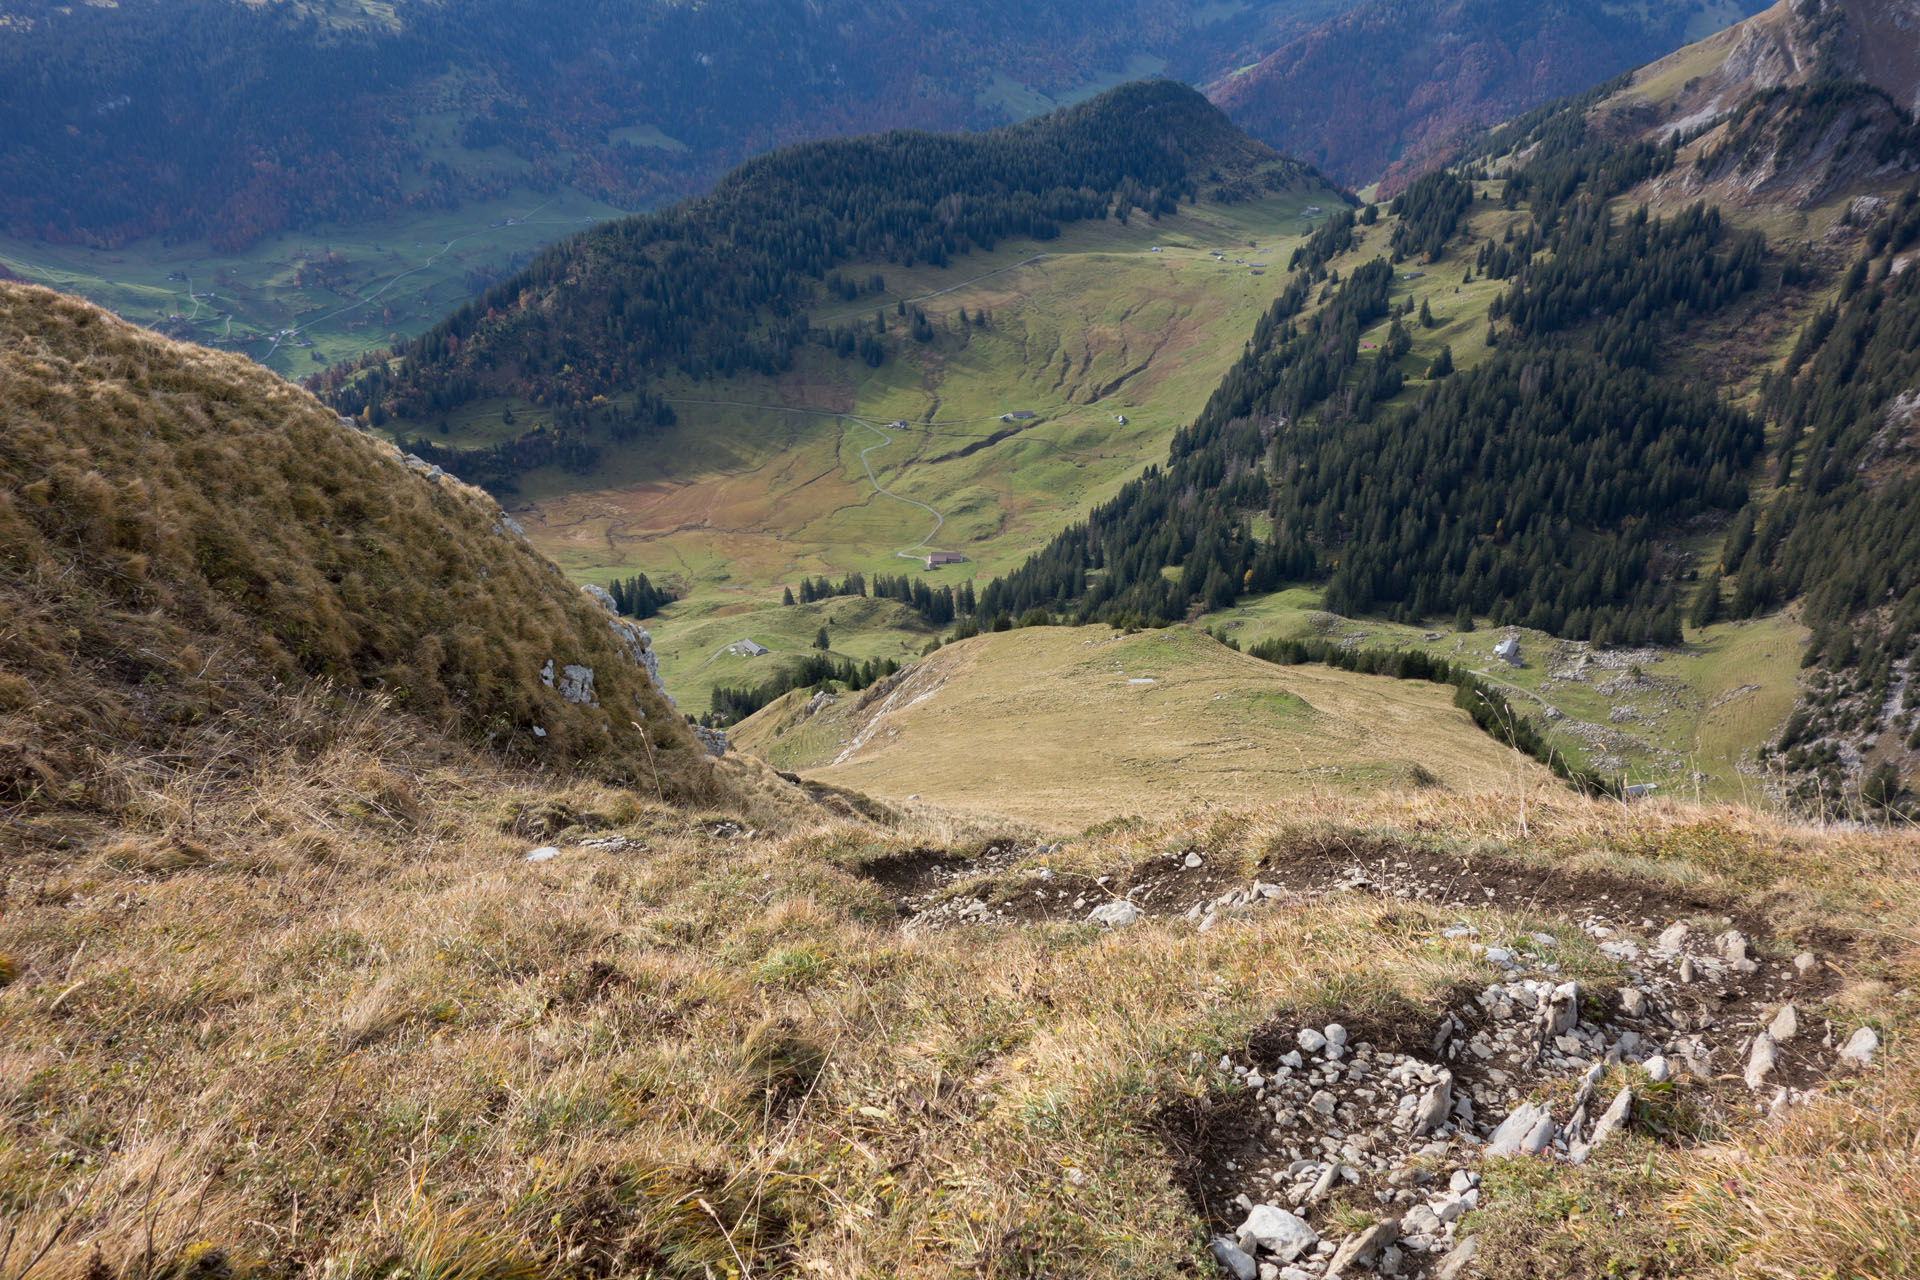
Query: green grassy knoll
{"points": [[346, 289], [692, 638], [1062, 726]]}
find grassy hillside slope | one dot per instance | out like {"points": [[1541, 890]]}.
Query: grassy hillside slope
{"points": [[301, 973], [186, 540], [1049, 724], [1133, 322], [1684, 719], [685, 1049]]}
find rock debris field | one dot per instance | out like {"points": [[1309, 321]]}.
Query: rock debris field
{"points": [[1316, 1128]]}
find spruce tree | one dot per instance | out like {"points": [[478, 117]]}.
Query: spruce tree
{"points": [[1706, 605]]}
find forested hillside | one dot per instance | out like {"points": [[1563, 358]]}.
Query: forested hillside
{"points": [[720, 286], [190, 118], [1532, 488], [1642, 442]]}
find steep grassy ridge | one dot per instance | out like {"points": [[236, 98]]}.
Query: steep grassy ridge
{"points": [[185, 538]]}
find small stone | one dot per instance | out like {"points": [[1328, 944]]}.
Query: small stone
{"points": [[1805, 963], [1431, 1112], [1421, 1221], [1766, 1055], [1859, 1048], [546, 853], [1193, 860], [1673, 937], [1323, 1102], [1562, 1013], [1115, 915], [1633, 1002], [1514, 1129], [1336, 1035], [1458, 1259], [1785, 1025], [1657, 1069], [1541, 1136], [1614, 1118], [1359, 1248], [1234, 1259], [1687, 970], [1278, 1232], [1312, 1041], [1733, 945], [1293, 1059], [1463, 1180]]}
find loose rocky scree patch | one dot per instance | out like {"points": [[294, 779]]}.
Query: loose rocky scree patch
{"points": [[1316, 1127]]}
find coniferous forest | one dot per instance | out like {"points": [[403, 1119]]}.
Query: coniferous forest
{"points": [[1533, 488]]}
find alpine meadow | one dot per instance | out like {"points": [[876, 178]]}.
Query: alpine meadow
{"points": [[1273, 639]]}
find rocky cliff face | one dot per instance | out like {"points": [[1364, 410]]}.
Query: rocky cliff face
{"points": [[1810, 100], [1385, 91]]}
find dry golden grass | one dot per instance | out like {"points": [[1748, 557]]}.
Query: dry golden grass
{"points": [[1833, 1191], [362, 1036], [184, 538]]}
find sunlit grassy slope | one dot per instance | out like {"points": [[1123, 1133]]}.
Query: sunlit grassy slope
{"points": [[1063, 726], [696, 645], [761, 480]]}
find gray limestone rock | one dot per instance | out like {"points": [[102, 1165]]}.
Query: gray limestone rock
{"points": [[1234, 1259], [1562, 1012], [1514, 1129], [1765, 1056], [576, 683], [1431, 1111], [1278, 1232], [1860, 1046], [1359, 1249], [1458, 1259]]}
